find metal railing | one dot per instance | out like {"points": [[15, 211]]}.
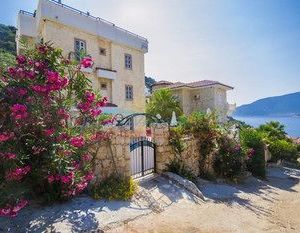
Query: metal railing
{"points": [[26, 13], [95, 18]]}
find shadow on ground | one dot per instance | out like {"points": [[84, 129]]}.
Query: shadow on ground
{"points": [[243, 194], [81, 214]]}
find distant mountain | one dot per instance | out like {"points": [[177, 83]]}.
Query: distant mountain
{"points": [[278, 105]]}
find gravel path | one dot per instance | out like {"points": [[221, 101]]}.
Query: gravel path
{"points": [[254, 206]]}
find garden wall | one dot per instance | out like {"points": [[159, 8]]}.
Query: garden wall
{"points": [[165, 154], [112, 157]]}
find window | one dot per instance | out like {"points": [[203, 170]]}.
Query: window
{"points": [[103, 86], [130, 123], [128, 61], [129, 92], [103, 51], [80, 48]]}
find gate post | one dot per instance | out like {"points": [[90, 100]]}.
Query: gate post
{"points": [[163, 150]]}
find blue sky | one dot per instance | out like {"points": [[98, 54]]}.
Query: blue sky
{"points": [[253, 45]]}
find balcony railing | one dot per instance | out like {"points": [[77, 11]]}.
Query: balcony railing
{"points": [[96, 18], [26, 13]]}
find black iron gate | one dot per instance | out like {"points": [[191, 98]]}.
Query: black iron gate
{"points": [[143, 157]]}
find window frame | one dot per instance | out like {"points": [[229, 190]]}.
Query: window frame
{"points": [[128, 95], [103, 84], [128, 67], [103, 49], [77, 57]]}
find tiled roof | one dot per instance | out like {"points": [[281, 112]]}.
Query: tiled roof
{"points": [[202, 83]]}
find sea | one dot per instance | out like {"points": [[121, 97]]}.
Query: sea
{"points": [[291, 123]]}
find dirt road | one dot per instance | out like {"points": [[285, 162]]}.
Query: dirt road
{"points": [[255, 206]]}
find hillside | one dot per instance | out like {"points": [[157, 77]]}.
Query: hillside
{"points": [[7, 38], [279, 105]]}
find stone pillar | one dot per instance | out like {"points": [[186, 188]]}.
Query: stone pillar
{"points": [[164, 152], [113, 157]]}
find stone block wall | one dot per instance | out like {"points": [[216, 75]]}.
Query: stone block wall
{"points": [[112, 157], [165, 153]]}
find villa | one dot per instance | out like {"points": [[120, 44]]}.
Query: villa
{"points": [[118, 55], [200, 96]]}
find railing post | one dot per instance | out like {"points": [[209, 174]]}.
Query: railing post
{"points": [[142, 153]]}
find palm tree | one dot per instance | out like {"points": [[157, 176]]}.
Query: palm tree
{"points": [[163, 102], [274, 130]]}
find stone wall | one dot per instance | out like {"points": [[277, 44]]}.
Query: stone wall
{"points": [[113, 157], [165, 153]]}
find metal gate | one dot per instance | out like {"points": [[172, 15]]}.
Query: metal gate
{"points": [[143, 157]]}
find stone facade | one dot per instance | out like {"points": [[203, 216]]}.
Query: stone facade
{"points": [[165, 154], [113, 157]]}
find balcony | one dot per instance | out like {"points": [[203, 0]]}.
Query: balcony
{"points": [[106, 73]]}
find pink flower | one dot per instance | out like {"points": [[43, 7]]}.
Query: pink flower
{"points": [[67, 179], [52, 77], [17, 174], [86, 62], [6, 136], [11, 71], [48, 132], [21, 59], [81, 186], [9, 156], [40, 89], [51, 179], [86, 157], [77, 141], [84, 107], [90, 96], [102, 102], [88, 177], [63, 137], [29, 74], [22, 92], [63, 114], [19, 111], [12, 211], [95, 112]]}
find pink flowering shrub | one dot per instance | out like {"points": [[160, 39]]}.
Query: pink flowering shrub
{"points": [[43, 144]]}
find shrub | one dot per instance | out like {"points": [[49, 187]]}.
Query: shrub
{"points": [[229, 162], [176, 139], [283, 150], [44, 145], [115, 188], [252, 143], [163, 102], [178, 167]]}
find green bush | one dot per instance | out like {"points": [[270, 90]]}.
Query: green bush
{"points": [[229, 162], [252, 142], [114, 188], [178, 167], [282, 149]]}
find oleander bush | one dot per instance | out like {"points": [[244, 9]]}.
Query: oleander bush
{"points": [[115, 188], [253, 144], [230, 159], [43, 142]]}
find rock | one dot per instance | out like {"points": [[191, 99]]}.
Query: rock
{"points": [[187, 184]]}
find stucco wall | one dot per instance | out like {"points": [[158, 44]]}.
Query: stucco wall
{"points": [[63, 37]]}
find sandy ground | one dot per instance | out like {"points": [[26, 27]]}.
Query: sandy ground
{"points": [[161, 206], [255, 206]]}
